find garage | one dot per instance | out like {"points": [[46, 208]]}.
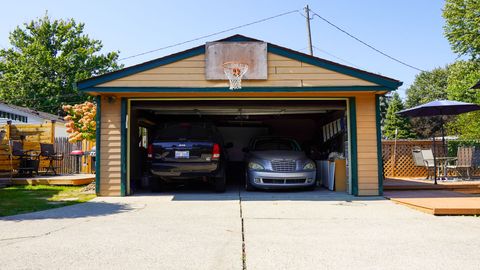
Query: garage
{"points": [[238, 124], [331, 110]]}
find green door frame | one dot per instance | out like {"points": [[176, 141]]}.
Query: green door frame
{"points": [[125, 137]]}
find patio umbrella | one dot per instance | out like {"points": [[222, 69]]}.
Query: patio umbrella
{"points": [[439, 108]]}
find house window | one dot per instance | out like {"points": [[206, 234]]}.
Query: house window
{"points": [[13, 116]]}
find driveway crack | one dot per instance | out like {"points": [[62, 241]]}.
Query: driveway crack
{"points": [[244, 253]]}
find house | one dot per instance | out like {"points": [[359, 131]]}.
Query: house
{"points": [[332, 109], [20, 115]]}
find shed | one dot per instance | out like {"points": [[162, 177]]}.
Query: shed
{"points": [[328, 106]]}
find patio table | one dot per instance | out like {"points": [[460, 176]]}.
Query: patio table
{"points": [[442, 163]]}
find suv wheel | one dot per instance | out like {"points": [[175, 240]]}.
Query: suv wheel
{"points": [[220, 184]]}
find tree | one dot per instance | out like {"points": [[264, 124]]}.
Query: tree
{"points": [[427, 86], [46, 58], [81, 121], [462, 75], [462, 26], [393, 121]]}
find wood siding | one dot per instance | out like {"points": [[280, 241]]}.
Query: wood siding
{"points": [[110, 148], [367, 145], [282, 71]]}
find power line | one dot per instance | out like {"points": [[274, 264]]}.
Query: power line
{"points": [[334, 56], [364, 43], [213, 34]]}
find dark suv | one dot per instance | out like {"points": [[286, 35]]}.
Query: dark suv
{"points": [[183, 152]]}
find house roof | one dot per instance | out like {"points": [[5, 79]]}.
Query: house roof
{"points": [[383, 81], [40, 114]]}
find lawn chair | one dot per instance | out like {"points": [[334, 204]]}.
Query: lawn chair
{"points": [[28, 159], [48, 152], [420, 161], [464, 161]]}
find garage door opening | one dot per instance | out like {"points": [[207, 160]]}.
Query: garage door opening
{"points": [[319, 126]]}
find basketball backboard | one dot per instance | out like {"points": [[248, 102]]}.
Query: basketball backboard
{"points": [[252, 53]]}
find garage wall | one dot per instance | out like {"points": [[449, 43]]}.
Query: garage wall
{"points": [[367, 145], [110, 145], [282, 71]]}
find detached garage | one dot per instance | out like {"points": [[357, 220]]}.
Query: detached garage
{"points": [[332, 110]]}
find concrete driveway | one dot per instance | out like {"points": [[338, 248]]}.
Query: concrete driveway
{"points": [[238, 230]]}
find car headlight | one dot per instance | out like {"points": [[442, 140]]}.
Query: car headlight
{"points": [[309, 166], [255, 166]]}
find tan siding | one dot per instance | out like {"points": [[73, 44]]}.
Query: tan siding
{"points": [[367, 145], [282, 71], [110, 148]]}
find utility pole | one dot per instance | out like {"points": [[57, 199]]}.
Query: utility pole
{"points": [[307, 15]]}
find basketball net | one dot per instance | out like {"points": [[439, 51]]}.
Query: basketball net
{"points": [[235, 72]]}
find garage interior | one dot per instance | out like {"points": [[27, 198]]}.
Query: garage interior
{"points": [[320, 127]]}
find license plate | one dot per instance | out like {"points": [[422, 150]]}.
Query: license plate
{"points": [[182, 154]]}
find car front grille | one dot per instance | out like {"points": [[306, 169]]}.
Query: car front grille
{"points": [[283, 181], [283, 165]]}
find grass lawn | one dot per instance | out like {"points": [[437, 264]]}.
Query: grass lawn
{"points": [[23, 199]]}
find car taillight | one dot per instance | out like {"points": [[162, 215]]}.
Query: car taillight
{"points": [[150, 151], [216, 151]]}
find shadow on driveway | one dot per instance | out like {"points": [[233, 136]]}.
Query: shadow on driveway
{"points": [[82, 210]]}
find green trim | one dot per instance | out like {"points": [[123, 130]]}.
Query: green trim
{"points": [[385, 82], [353, 145], [98, 140], [305, 58], [379, 144], [226, 90], [81, 85], [123, 156]]}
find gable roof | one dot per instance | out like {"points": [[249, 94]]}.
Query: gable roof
{"points": [[386, 82], [35, 113]]}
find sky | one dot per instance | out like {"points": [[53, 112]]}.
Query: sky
{"points": [[409, 30]]}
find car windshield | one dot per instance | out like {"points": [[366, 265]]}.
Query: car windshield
{"points": [[198, 131], [276, 144]]}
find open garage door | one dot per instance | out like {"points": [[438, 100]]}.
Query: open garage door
{"points": [[319, 126]]}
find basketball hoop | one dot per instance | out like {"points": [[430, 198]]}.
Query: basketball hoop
{"points": [[234, 72]]}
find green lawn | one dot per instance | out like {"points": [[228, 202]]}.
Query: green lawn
{"points": [[23, 199]]}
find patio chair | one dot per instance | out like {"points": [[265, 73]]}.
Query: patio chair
{"points": [[464, 161], [420, 161], [48, 152], [28, 159]]}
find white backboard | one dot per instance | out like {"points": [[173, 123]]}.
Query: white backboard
{"points": [[252, 53]]}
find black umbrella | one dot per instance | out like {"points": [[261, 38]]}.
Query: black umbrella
{"points": [[439, 108]]}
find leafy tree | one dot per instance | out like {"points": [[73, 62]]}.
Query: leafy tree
{"points": [[462, 75], [462, 26], [46, 58], [394, 121], [427, 86], [81, 121]]}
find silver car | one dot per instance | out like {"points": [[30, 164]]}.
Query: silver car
{"points": [[277, 162]]}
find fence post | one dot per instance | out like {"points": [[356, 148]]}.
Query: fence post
{"points": [[52, 131], [8, 130]]}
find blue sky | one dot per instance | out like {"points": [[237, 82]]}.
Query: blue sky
{"points": [[409, 30]]}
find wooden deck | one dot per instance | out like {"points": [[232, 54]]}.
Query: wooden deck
{"points": [[437, 202], [466, 186], [61, 180]]}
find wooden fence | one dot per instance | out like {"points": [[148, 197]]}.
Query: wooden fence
{"points": [[34, 134], [398, 158]]}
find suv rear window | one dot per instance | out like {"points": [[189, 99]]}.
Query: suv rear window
{"points": [[175, 131]]}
